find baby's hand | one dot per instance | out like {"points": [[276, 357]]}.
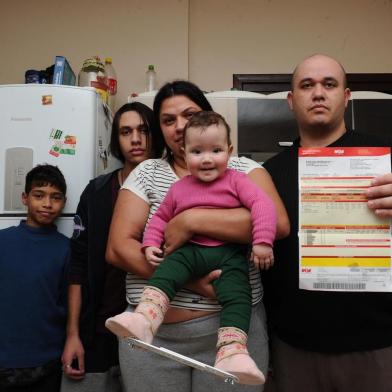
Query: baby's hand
{"points": [[152, 255], [262, 256]]}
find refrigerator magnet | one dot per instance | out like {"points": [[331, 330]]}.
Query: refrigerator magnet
{"points": [[47, 100], [69, 145]]}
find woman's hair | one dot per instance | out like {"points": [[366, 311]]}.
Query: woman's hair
{"points": [[43, 175], [147, 116], [172, 89]]}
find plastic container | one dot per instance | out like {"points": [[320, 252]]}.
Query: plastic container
{"points": [[112, 82], [44, 77], [32, 76], [151, 78], [93, 74]]}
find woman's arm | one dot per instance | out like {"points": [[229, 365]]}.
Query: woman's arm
{"points": [[231, 225], [125, 235]]}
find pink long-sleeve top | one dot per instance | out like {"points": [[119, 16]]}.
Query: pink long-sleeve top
{"points": [[232, 190]]}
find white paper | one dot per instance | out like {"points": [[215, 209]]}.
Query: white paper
{"points": [[343, 245]]}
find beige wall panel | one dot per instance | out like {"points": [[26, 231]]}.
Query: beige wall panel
{"points": [[225, 37], [270, 36], [134, 33]]}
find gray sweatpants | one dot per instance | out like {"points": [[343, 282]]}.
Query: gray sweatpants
{"points": [[143, 371], [109, 381]]}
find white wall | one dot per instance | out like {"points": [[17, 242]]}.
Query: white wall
{"points": [[272, 36], [134, 33], [205, 40]]}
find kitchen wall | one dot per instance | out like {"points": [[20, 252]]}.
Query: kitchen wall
{"points": [[272, 36], [205, 40], [134, 33]]}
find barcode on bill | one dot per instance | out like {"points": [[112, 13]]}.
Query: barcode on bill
{"points": [[339, 286]]}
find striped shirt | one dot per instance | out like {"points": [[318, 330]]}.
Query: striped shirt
{"points": [[151, 180]]}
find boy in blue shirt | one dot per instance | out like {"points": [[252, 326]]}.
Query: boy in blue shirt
{"points": [[33, 263]]}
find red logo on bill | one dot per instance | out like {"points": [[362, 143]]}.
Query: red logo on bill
{"points": [[306, 270]]}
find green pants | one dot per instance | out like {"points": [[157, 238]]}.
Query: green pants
{"points": [[232, 288]]}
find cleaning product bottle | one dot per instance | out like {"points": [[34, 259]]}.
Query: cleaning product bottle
{"points": [[151, 78], [112, 82]]}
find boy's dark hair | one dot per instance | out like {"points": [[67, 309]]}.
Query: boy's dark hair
{"points": [[169, 90], [205, 119], [42, 175], [147, 117]]}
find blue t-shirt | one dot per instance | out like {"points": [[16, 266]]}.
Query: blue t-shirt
{"points": [[33, 267]]}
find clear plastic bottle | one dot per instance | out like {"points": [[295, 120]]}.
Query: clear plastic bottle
{"points": [[151, 78], [112, 82]]}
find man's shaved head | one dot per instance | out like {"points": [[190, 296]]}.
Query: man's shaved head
{"points": [[315, 56]]}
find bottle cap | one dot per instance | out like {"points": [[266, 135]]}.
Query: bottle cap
{"points": [[108, 60], [151, 67]]}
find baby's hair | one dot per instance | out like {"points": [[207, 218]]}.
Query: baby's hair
{"points": [[205, 119], [43, 175]]}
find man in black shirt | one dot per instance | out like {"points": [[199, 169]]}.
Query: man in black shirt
{"points": [[334, 341]]}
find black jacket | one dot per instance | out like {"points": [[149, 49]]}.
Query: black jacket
{"points": [[88, 246]]}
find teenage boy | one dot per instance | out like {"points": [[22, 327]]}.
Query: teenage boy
{"points": [[33, 263]]}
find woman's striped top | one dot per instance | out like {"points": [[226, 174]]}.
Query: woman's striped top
{"points": [[150, 180]]}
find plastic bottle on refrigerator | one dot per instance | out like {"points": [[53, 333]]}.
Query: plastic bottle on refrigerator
{"points": [[151, 78], [93, 74], [112, 82]]}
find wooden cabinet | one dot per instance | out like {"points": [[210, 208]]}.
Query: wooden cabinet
{"points": [[272, 83]]}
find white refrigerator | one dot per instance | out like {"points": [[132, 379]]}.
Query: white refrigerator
{"points": [[65, 126]]}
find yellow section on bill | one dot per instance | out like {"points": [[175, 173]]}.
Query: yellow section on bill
{"points": [[348, 262]]}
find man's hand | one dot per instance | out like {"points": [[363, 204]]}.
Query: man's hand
{"points": [[380, 195], [203, 286], [262, 256], [73, 349]]}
